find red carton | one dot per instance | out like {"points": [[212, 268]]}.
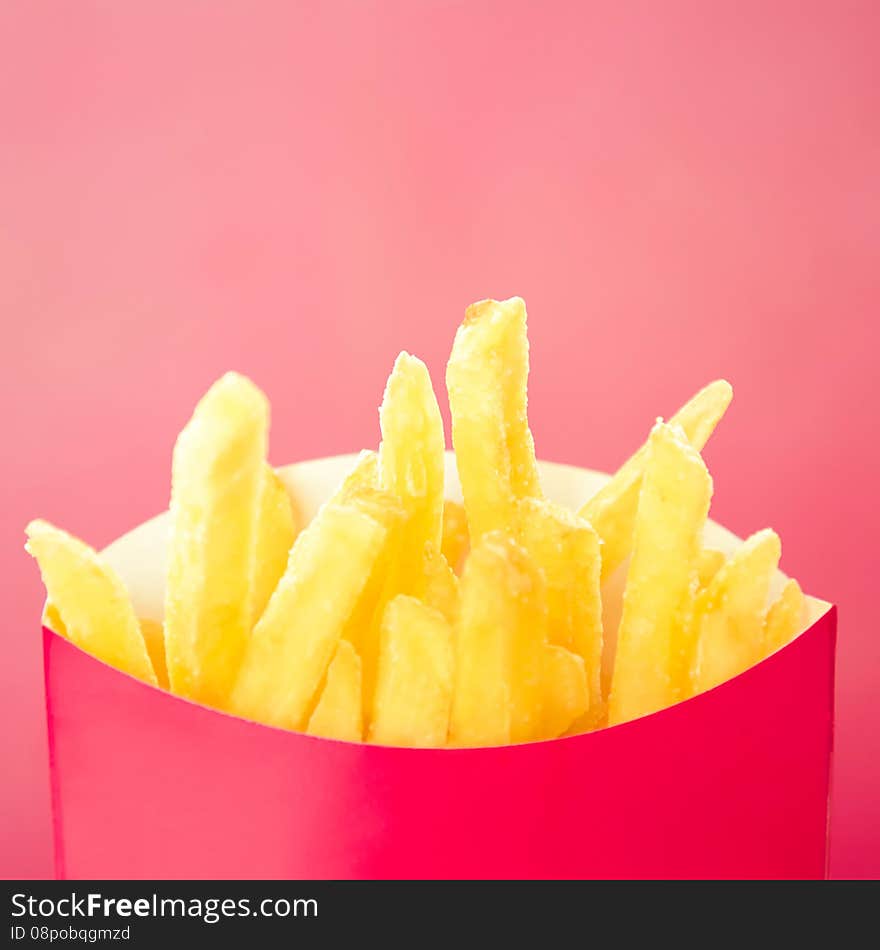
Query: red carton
{"points": [[733, 783]]}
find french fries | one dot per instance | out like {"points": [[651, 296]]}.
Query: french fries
{"points": [[785, 617], [409, 471], [291, 646], [566, 694], [339, 713], [612, 510], [276, 530], [439, 586], [364, 475], [567, 549], [217, 475], [526, 644], [90, 600], [154, 637], [673, 505], [51, 617], [486, 378], [709, 563], [481, 696], [411, 460], [400, 617], [414, 680], [500, 643], [730, 612], [362, 627], [456, 540]]}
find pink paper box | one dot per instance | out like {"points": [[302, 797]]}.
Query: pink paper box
{"points": [[730, 784]]}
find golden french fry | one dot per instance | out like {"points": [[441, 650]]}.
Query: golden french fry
{"points": [[672, 509], [567, 549], [709, 563], [456, 541], [276, 531], [566, 693], [612, 510], [52, 619], [612, 604], [154, 637], [362, 628], [339, 713], [481, 695], [89, 600], [414, 680], [411, 456], [527, 641], [486, 377], [499, 646], [411, 468], [217, 474], [785, 618], [151, 630], [364, 475], [293, 642], [729, 614], [440, 586]]}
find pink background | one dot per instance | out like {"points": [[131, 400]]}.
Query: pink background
{"points": [[679, 190]]}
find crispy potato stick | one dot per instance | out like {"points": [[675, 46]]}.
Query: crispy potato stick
{"points": [[154, 637], [414, 680], [339, 713], [785, 617], [440, 586], [52, 619], [612, 604], [362, 628], [566, 695], [276, 531], [411, 467], [486, 378], [365, 474], [89, 599], [217, 474], [527, 641], [499, 646], [292, 644], [673, 505], [456, 541], [411, 454], [567, 549], [730, 612], [709, 563], [612, 510], [481, 695]]}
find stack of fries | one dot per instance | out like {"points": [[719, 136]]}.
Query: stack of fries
{"points": [[401, 618]]}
